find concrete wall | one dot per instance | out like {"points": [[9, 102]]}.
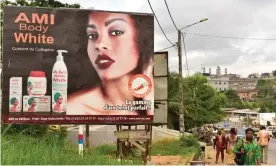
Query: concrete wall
{"points": [[105, 135]]}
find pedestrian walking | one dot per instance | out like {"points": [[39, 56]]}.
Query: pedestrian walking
{"points": [[223, 132], [249, 148], [263, 139], [214, 134], [221, 145], [232, 140]]}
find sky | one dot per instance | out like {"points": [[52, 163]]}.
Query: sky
{"points": [[245, 19]]}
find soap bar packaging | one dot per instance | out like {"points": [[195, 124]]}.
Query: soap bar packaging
{"points": [[36, 104]]}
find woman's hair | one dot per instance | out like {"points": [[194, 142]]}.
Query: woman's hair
{"points": [[143, 27], [233, 131], [249, 129]]}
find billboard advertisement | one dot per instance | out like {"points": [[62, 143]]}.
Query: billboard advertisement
{"points": [[68, 66]]}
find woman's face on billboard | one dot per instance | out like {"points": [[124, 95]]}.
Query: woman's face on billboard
{"points": [[16, 103], [112, 46]]}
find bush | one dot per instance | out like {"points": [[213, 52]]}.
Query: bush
{"points": [[30, 130], [189, 141]]}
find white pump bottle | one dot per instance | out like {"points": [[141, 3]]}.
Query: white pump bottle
{"points": [[59, 84]]}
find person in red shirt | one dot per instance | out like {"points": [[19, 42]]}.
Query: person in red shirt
{"points": [[221, 145]]}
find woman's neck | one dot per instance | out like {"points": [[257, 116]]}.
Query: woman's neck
{"points": [[116, 91]]}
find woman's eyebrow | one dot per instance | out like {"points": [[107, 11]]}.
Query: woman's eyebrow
{"points": [[114, 19], [92, 26]]}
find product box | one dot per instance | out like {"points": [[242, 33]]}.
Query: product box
{"points": [[36, 104], [15, 96]]}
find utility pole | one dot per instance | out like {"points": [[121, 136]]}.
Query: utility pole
{"points": [[181, 111], [181, 108], [247, 120]]}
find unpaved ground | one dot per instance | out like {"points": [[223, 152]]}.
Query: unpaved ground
{"points": [[210, 159], [169, 160]]}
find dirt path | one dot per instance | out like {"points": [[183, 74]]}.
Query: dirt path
{"points": [[210, 159], [169, 160]]}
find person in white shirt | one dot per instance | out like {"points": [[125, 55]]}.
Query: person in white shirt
{"points": [[214, 134]]}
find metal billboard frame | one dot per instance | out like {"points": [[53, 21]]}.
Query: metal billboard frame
{"points": [[157, 101]]}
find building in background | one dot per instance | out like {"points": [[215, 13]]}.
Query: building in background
{"points": [[248, 95], [220, 83], [238, 84], [223, 82], [238, 115]]}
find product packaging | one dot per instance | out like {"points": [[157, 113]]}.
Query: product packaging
{"points": [[59, 84], [15, 98], [36, 104], [37, 84]]}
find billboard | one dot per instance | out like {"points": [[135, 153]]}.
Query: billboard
{"points": [[67, 66], [160, 72]]}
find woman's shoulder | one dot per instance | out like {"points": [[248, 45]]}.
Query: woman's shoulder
{"points": [[79, 101], [84, 94]]}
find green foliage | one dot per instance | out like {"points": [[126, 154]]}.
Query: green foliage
{"points": [[266, 88], [48, 150], [233, 99], [31, 130], [169, 147], [40, 3], [189, 141], [201, 101]]}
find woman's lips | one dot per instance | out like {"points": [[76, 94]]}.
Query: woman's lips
{"points": [[103, 61]]}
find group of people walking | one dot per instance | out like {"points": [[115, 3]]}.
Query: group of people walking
{"points": [[247, 151]]}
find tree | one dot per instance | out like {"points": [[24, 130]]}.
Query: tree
{"points": [[40, 3], [233, 99], [201, 101], [266, 88]]}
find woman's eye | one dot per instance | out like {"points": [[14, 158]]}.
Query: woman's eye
{"points": [[116, 33], [92, 36]]}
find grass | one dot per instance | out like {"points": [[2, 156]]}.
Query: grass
{"points": [[25, 150], [169, 147], [50, 150]]}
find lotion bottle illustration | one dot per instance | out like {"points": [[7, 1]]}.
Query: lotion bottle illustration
{"points": [[59, 84]]}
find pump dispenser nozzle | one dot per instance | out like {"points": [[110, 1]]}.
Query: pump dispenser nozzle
{"points": [[59, 56]]}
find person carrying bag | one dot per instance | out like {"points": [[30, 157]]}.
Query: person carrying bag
{"points": [[239, 157]]}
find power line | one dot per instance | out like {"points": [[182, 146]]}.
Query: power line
{"points": [[159, 24], [228, 37], [185, 54], [170, 15], [165, 48]]}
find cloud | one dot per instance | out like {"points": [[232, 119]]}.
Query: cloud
{"points": [[243, 19], [236, 18]]}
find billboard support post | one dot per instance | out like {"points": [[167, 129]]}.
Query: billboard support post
{"points": [[128, 138], [181, 111], [80, 140], [87, 137]]}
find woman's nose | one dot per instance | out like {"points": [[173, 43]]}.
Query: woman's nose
{"points": [[103, 43]]}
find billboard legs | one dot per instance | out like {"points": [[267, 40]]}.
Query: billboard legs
{"points": [[80, 140], [136, 141], [86, 137]]}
